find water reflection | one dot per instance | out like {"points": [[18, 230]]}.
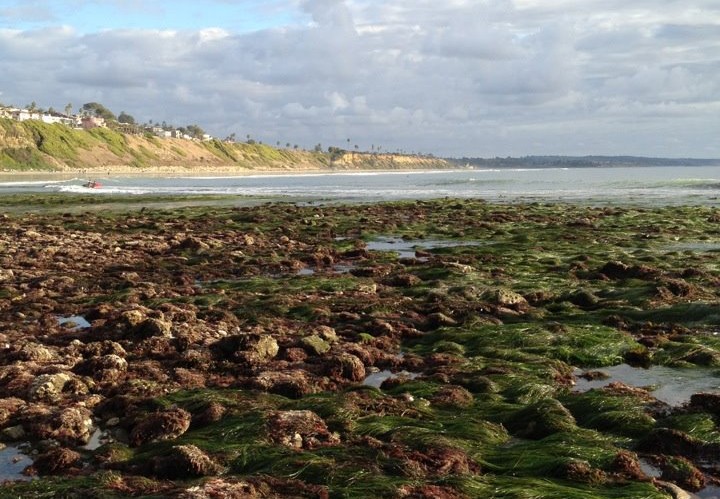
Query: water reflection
{"points": [[673, 386], [12, 463], [377, 379]]}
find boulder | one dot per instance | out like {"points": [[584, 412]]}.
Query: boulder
{"points": [[8, 408], [164, 425], [315, 345], [251, 348], [69, 426], [509, 299], [213, 413], [345, 366], [185, 461], [153, 327], [48, 387], [299, 430], [452, 396], [57, 461], [34, 352], [292, 384], [708, 402]]}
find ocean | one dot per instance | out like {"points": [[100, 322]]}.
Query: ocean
{"points": [[651, 186]]}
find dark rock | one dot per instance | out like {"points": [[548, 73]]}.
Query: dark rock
{"points": [[58, 461], [703, 357], [345, 367], [250, 348], [675, 443], [678, 287], [165, 425], [315, 345], [476, 383], [295, 354], [682, 472], [626, 465], [69, 426], [402, 280], [100, 348], [153, 327], [213, 413], [583, 298], [8, 408], [292, 384], [452, 396], [299, 430], [505, 298], [581, 471], [185, 461], [220, 488], [706, 402], [48, 387], [438, 319], [593, 375], [355, 254], [96, 365], [619, 270], [430, 492]]}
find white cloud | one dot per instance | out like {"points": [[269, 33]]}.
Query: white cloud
{"points": [[490, 77]]}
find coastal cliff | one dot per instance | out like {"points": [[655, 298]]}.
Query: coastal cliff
{"points": [[34, 146]]}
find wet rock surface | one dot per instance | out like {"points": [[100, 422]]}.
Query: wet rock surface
{"points": [[204, 352]]}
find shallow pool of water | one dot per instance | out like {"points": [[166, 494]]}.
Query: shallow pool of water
{"points": [[711, 492], [96, 440], [406, 248], [695, 246], [12, 463], [78, 320], [649, 469], [376, 379], [671, 385]]}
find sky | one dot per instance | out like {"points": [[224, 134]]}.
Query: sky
{"points": [[480, 78]]}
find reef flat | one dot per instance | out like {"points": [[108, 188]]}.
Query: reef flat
{"points": [[426, 349]]}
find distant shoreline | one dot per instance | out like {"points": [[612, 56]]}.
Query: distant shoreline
{"points": [[210, 172], [235, 171]]}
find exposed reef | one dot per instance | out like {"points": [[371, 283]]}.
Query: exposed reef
{"points": [[232, 351]]}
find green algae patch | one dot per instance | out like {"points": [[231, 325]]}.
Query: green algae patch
{"points": [[618, 413], [273, 316], [583, 345], [541, 419]]}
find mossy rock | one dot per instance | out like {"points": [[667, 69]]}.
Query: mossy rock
{"points": [[316, 345], [540, 420]]}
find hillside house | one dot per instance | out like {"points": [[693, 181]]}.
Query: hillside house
{"points": [[89, 122], [24, 114], [58, 118]]}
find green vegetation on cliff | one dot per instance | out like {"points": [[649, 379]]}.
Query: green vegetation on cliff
{"points": [[36, 146]]}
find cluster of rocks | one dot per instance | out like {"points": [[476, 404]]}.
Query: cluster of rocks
{"points": [[186, 303]]}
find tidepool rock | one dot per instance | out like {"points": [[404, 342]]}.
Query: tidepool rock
{"points": [[185, 461], [164, 425], [299, 430], [345, 367], [48, 387], [69, 426], [315, 345], [57, 461]]}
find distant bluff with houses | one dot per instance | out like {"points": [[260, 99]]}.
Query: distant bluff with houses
{"points": [[95, 140]]}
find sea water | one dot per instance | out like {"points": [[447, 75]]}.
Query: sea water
{"points": [[652, 186]]}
